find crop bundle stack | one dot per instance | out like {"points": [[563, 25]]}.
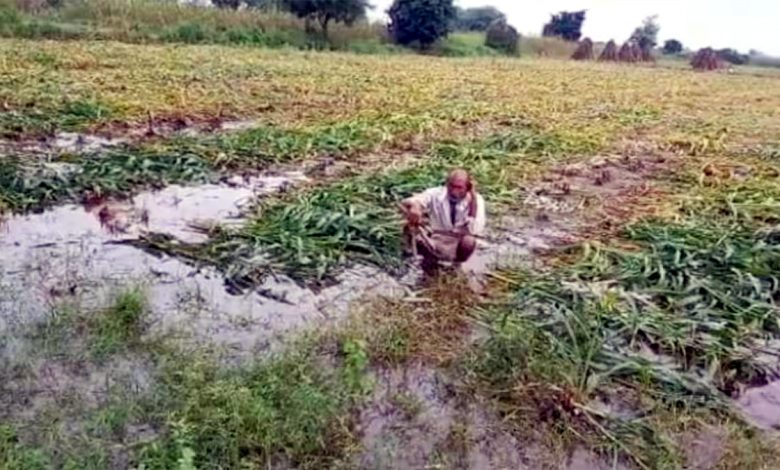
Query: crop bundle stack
{"points": [[706, 59], [610, 52], [629, 53], [584, 50]]}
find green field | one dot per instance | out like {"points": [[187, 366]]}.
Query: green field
{"points": [[628, 336]]}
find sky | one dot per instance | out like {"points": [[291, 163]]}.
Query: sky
{"points": [[739, 24]]}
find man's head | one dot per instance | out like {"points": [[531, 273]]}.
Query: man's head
{"points": [[458, 184]]}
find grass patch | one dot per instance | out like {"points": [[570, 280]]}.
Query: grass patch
{"points": [[465, 45], [121, 326], [17, 456], [291, 409], [73, 115], [295, 408], [97, 335], [146, 21]]}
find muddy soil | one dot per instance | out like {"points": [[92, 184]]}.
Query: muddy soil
{"points": [[45, 385], [416, 418], [704, 448], [761, 405]]}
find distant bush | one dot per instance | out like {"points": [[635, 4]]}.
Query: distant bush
{"points": [[189, 32], [420, 22], [257, 37], [477, 19], [233, 4], [565, 25], [732, 56], [762, 60], [14, 24], [463, 45], [672, 46], [10, 20], [502, 36]]}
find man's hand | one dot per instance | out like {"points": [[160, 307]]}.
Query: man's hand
{"points": [[413, 213]]}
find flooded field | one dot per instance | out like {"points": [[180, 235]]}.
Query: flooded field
{"points": [[221, 285]]}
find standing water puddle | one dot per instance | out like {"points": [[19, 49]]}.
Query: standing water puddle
{"points": [[69, 254]]}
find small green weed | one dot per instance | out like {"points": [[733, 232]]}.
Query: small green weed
{"points": [[101, 333], [355, 365], [191, 33], [120, 326], [16, 456], [45, 59], [74, 114]]}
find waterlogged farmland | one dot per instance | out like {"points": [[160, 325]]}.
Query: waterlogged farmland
{"points": [[200, 262]]}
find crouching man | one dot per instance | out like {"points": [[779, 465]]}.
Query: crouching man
{"points": [[443, 223]]}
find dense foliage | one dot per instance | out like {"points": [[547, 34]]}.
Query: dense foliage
{"points": [[672, 46], [565, 25], [477, 19], [420, 22], [325, 11], [646, 36]]}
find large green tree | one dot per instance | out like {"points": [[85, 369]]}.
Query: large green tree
{"points": [[672, 46], [325, 11], [420, 22], [566, 25], [646, 36], [477, 18]]}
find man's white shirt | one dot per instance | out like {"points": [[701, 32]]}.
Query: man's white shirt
{"points": [[436, 202]]}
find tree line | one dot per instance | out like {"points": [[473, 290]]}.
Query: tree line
{"points": [[420, 23]]}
